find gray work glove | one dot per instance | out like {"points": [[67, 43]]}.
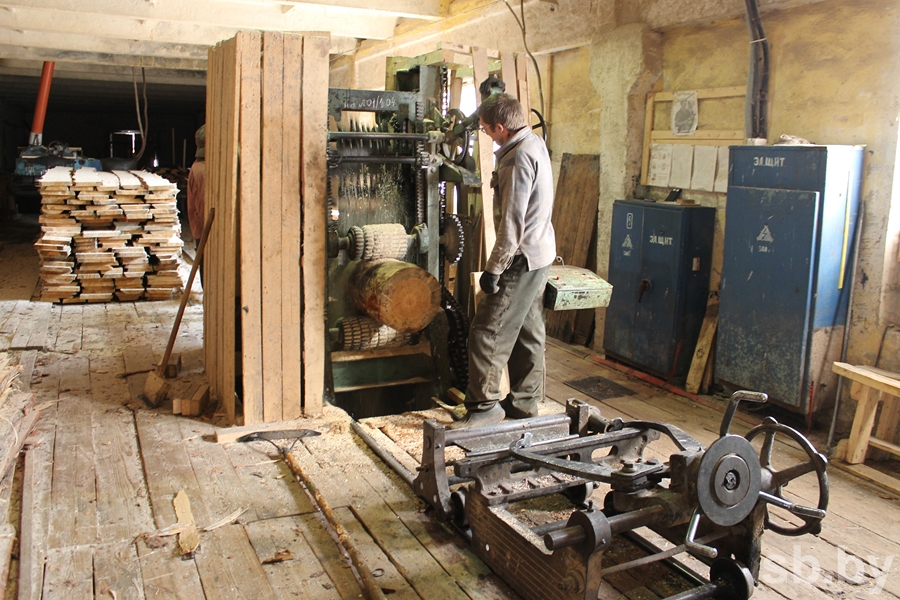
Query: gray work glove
{"points": [[490, 283]]}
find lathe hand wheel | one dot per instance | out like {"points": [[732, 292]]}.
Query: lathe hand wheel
{"points": [[777, 479]]}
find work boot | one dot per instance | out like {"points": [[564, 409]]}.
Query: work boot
{"points": [[512, 411], [478, 418]]}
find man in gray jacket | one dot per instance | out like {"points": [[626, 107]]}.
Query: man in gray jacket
{"points": [[508, 329]]}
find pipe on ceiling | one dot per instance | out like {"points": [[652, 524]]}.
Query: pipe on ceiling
{"points": [[40, 108]]}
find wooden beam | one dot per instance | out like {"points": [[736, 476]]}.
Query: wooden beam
{"points": [[867, 377], [485, 163], [707, 93], [12, 51], [152, 19]]}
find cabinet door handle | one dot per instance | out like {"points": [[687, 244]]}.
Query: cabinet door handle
{"points": [[645, 286]]}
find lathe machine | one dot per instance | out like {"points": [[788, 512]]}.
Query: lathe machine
{"points": [[711, 503]]}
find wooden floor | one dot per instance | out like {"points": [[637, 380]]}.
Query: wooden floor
{"points": [[98, 478]]}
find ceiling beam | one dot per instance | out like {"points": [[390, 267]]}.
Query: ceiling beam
{"points": [[100, 58], [159, 17], [429, 10]]}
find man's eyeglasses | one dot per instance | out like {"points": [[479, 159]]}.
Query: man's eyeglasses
{"points": [[483, 130]]}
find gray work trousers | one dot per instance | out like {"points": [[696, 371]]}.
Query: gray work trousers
{"points": [[508, 330]]}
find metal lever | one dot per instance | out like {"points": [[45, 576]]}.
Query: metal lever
{"points": [[645, 286], [806, 512], [758, 397], [692, 546]]}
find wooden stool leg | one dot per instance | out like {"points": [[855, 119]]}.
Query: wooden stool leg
{"points": [[862, 425], [887, 425]]}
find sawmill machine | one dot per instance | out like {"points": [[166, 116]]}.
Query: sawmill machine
{"points": [[396, 334]]}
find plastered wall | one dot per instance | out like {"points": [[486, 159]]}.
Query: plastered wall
{"points": [[835, 79]]}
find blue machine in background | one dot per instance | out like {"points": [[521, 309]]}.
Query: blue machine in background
{"points": [[789, 230], [659, 261]]}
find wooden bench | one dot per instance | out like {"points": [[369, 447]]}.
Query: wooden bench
{"points": [[871, 386]]}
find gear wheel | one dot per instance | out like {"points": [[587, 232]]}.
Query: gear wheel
{"points": [[357, 242], [452, 238]]}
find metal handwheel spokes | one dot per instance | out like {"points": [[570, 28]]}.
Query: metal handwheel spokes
{"points": [[772, 489]]}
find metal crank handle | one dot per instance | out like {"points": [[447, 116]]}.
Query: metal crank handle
{"points": [[692, 546], [806, 512]]}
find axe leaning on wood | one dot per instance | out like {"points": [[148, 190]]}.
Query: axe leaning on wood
{"points": [[156, 387]]}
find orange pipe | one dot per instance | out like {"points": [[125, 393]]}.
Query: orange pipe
{"points": [[40, 108]]}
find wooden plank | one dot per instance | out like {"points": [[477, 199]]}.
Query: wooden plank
{"points": [[165, 575], [507, 74], [270, 231], [74, 516], [313, 129], [649, 115], [885, 446], [167, 467], [375, 558], [704, 344], [472, 576], [230, 109], [7, 541], [139, 359], [229, 568], [211, 308], [889, 385], [68, 340], [707, 93], [259, 471], [723, 137], [886, 429], [301, 574], [220, 486], [36, 489], [250, 236], [19, 339], [117, 571], [95, 334], [123, 504], [485, 160], [291, 300], [336, 564], [37, 338], [69, 574], [523, 90], [575, 221]]}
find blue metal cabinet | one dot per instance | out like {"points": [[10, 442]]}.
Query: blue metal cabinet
{"points": [[659, 263], [789, 225]]}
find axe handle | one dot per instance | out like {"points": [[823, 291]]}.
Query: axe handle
{"points": [[161, 369]]}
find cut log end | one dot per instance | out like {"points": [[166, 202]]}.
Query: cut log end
{"points": [[398, 294]]}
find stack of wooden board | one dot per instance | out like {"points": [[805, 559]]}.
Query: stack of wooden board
{"points": [[267, 96], [107, 235]]}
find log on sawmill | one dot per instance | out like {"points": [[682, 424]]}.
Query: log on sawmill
{"points": [[399, 294]]}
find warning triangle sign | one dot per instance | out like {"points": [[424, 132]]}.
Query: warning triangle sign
{"points": [[627, 243], [765, 235]]}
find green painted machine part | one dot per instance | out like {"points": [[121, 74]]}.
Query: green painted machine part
{"points": [[572, 288]]}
